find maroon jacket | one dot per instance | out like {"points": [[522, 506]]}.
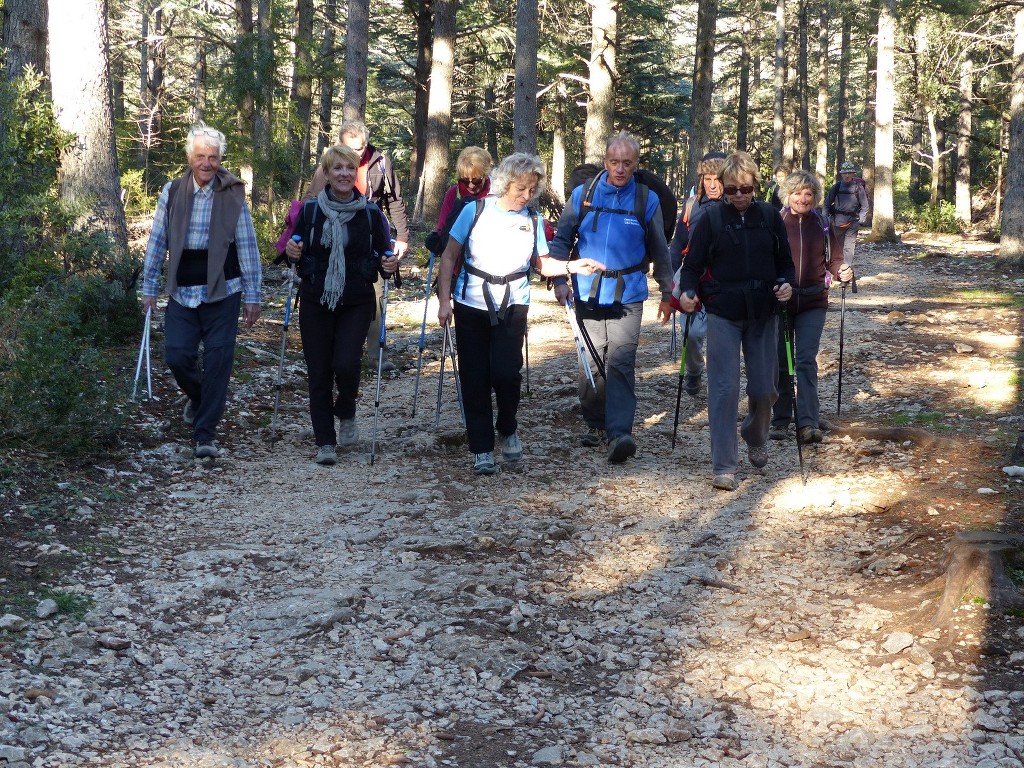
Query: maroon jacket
{"points": [[807, 244]]}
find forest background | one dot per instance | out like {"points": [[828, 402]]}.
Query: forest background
{"points": [[927, 98]]}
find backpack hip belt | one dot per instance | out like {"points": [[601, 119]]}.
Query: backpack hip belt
{"points": [[620, 283], [494, 314]]}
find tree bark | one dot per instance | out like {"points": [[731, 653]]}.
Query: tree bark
{"points": [[439, 120], [703, 85], [357, 42], [743, 107], [262, 193], [1011, 239], [525, 111], [779, 116], [324, 129], [917, 127], [79, 74], [803, 88], [557, 176], [601, 104], [821, 150], [843, 105], [883, 226], [867, 134], [963, 144], [300, 127], [245, 80], [24, 37], [424, 14]]}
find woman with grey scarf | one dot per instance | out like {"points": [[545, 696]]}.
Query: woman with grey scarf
{"points": [[343, 246]]}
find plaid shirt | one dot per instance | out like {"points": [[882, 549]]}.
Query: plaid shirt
{"points": [[197, 237]]}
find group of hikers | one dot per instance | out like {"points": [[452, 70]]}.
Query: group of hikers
{"points": [[733, 266]]}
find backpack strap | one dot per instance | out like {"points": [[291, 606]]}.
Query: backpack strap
{"points": [[506, 280]]}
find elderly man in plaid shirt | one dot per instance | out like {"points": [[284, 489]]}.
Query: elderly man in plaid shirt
{"points": [[203, 230]]}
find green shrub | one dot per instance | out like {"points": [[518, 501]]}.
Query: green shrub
{"points": [[940, 218]]}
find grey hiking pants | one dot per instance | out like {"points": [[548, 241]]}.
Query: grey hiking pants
{"points": [[615, 331], [726, 338]]}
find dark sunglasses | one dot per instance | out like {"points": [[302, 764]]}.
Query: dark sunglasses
{"points": [[746, 189], [471, 182]]}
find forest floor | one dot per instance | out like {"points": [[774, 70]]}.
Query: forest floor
{"points": [[261, 610]]}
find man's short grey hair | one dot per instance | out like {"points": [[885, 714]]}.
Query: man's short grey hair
{"points": [[354, 128], [622, 137], [205, 135], [516, 166]]}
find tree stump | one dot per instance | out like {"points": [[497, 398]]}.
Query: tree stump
{"points": [[975, 565]]}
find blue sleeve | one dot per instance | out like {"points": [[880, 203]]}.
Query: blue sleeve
{"points": [[156, 249], [460, 229], [565, 232]]}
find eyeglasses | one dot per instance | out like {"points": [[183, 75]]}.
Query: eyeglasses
{"points": [[732, 189], [471, 182]]}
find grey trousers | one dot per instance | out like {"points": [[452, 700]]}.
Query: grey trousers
{"points": [[615, 331], [695, 343], [726, 339]]}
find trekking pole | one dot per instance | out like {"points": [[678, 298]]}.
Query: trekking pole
{"points": [[842, 329], [788, 330], [380, 361], [581, 349], [284, 336], [593, 350], [526, 341], [682, 367], [673, 344], [455, 373], [423, 331], [445, 339], [144, 352]]}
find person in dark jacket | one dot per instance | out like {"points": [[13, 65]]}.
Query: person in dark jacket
{"points": [[473, 183], [742, 245], [341, 254], [846, 206], [817, 260], [775, 193], [377, 182]]}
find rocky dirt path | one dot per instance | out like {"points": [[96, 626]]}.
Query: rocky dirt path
{"points": [[264, 611]]}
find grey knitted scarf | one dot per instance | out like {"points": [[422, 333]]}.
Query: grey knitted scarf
{"points": [[335, 237]]}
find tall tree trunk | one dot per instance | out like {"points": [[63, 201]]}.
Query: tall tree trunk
{"points": [[24, 37], [524, 112], [743, 108], [843, 105], [779, 116], [883, 225], [357, 42], [868, 132], [439, 122], [557, 177], [821, 150], [325, 129], [302, 92], [963, 144], [262, 181], [936, 157], [803, 88], [490, 107], [999, 168], [1011, 238], [80, 79], [424, 14], [941, 166], [245, 81], [153, 65], [601, 104], [703, 85], [917, 126]]}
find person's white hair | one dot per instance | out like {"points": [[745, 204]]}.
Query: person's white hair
{"points": [[206, 135], [622, 137], [354, 128], [515, 166]]}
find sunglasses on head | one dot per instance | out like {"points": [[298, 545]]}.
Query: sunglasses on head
{"points": [[732, 189], [471, 182]]}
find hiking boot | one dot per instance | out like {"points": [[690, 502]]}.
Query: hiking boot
{"points": [[592, 438], [348, 432], [692, 385], [327, 455], [207, 451], [511, 447], [621, 448], [810, 435], [483, 463], [779, 433], [758, 455], [189, 414], [724, 482]]}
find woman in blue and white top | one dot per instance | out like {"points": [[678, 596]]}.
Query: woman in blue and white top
{"points": [[489, 253]]}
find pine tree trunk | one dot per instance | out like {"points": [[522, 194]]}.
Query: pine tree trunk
{"points": [[557, 178], [917, 129], [245, 55], [302, 93], [262, 192], [821, 150], [843, 105], [601, 104], [963, 144], [703, 85], [1011, 240], [867, 133], [325, 129], [439, 122], [525, 111], [80, 78], [357, 41], [883, 226], [743, 107], [24, 37], [424, 13], [779, 116], [803, 88]]}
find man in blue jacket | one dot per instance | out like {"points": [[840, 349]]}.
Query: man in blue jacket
{"points": [[603, 222]]}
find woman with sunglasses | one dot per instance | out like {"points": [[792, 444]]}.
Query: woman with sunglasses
{"points": [[739, 266], [473, 167]]}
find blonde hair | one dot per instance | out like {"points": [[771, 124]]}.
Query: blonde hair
{"points": [[798, 180], [337, 153], [738, 164], [473, 162]]}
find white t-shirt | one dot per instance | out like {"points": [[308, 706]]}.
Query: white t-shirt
{"points": [[500, 244]]}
